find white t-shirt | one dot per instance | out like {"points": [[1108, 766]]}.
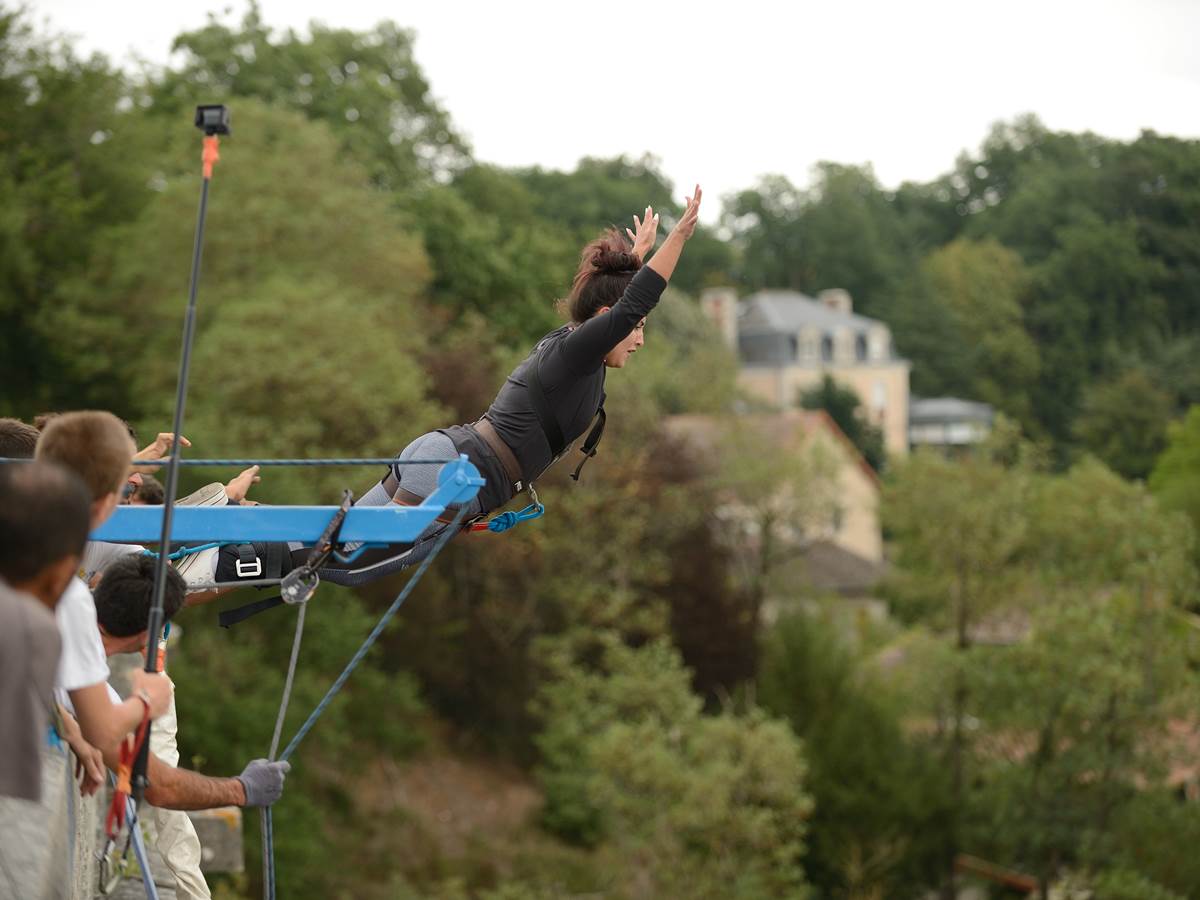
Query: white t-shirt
{"points": [[82, 663], [98, 555]]}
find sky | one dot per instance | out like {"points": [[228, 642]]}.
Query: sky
{"points": [[724, 93]]}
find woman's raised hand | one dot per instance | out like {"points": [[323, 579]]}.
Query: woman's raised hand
{"points": [[686, 225], [645, 230]]}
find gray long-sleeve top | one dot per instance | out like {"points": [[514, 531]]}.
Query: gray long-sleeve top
{"points": [[570, 363]]}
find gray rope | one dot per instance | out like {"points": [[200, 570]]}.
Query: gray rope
{"points": [[350, 461], [267, 822]]}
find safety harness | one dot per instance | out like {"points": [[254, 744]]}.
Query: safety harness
{"points": [[550, 427], [300, 583]]}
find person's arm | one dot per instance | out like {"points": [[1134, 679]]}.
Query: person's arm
{"points": [[664, 261], [89, 762], [584, 348], [104, 723], [260, 784], [238, 487], [161, 447], [643, 233]]}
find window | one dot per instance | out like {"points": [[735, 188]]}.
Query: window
{"points": [[827, 348], [860, 347]]}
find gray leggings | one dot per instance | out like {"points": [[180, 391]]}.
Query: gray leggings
{"points": [[419, 480]]}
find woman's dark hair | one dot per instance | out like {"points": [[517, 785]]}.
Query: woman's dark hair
{"points": [[606, 267]]}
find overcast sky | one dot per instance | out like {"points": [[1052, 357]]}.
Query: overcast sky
{"points": [[723, 93]]}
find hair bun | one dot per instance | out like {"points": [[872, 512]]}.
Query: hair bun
{"points": [[612, 260]]}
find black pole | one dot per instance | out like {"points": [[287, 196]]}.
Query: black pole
{"points": [[214, 121]]}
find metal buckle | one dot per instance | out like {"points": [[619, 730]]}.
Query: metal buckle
{"points": [[247, 570], [298, 585]]}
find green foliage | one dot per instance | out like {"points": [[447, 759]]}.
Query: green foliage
{"points": [[1175, 480], [73, 159], [982, 287], [1124, 422], [879, 797], [843, 405], [366, 86], [695, 805], [1122, 884], [842, 232]]}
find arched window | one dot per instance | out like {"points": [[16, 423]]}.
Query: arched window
{"points": [[827, 348], [860, 347]]}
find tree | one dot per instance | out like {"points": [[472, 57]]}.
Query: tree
{"points": [[1079, 710], [845, 408], [960, 529], [879, 820], [842, 232], [710, 806], [308, 318], [365, 86], [1175, 480], [982, 287], [73, 158], [1124, 421]]}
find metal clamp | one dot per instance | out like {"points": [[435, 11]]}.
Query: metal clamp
{"points": [[298, 585]]}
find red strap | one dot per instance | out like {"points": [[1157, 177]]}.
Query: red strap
{"points": [[130, 747]]}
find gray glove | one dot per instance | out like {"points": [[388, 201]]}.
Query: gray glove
{"points": [[263, 781]]}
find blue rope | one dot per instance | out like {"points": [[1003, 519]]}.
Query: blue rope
{"points": [[188, 551], [447, 533], [510, 519]]}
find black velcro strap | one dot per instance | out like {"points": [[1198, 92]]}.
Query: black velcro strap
{"points": [[233, 616], [541, 406], [589, 445]]}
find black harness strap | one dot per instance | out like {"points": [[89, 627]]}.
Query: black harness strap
{"points": [[233, 616], [317, 557], [550, 427]]}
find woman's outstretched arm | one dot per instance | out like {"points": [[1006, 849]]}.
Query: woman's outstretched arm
{"points": [[664, 261]]}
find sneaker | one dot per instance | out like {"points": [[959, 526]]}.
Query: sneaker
{"points": [[197, 568], [209, 495]]}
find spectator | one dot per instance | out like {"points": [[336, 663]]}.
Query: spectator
{"points": [[44, 515], [43, 525], [17, 439], [123, 600], [97, 447], [149, 493]]}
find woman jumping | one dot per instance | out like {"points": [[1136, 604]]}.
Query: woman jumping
{"points": [[546, 403]]}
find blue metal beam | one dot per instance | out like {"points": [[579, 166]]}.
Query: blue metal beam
{"points": [[458, 482]]}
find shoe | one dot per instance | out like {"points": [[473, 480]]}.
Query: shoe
{"points": [[197, 568], [209, 495]]}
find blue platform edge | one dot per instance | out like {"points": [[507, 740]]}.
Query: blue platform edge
{"points": [[458, 483]]}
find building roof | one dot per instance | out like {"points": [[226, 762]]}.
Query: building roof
{"points": [[776, 311], [830, 568], [945, 410], [784, 427]]}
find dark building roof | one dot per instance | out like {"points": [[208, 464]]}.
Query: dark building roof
{"points": [[947, 410], [775, 311]]}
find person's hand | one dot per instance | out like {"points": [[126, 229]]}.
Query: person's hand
{"points": [[644, 233], [686, 226], [161, 447], [262, 781], [237, 489], [154, 688], [89, 761]]}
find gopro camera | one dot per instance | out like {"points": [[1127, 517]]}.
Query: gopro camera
{"points": [[213, 119]]}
